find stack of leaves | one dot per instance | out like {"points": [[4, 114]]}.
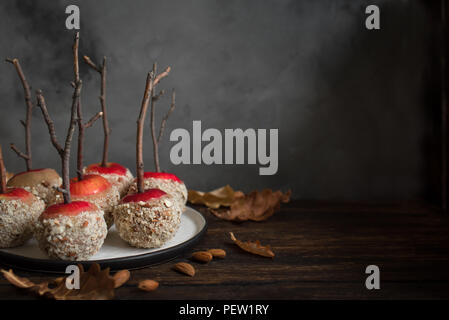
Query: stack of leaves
{"points": [[95, 284], [255, 206]]}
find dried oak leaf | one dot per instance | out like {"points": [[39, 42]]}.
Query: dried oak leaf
{"points": [[95, 284], [256, 206], [253, 247], [214, 199]]}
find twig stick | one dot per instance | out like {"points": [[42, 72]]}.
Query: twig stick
{"points": [[18, 152], [140, 126], [92, 120], [106, 130], [91, 64], [80, 153], [3, 187], [153, 111], [59, 189], [153, 129], [81, 125], [76, 71], [159, 95], [164, 120], [68, 141], [29, 108], [50, 124], [65, 153]]}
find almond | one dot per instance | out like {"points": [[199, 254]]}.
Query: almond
{"points": [[217, 253], [120, 278], [185, 268], [202, 256], [148, 285]]}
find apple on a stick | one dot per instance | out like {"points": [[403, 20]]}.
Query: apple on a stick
{"points": [[19, 211], [84, 228], [38, 181]]}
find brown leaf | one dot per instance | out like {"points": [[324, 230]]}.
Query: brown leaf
{"points": [[253, 247], [95, 284], [256, 206], [214, 199], [16, 280]]}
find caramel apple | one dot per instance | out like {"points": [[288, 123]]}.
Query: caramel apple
{"points": [[94, 189], [148, 219], [40, 182], [115, 173], [71, 231], [19, 211], [167, 182]]}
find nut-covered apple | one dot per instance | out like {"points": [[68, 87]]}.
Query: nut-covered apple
{"points": [[19, 211], [148, 219], [71, 231], [167, 182], [40, 182], [94, 189], [115, 173]]}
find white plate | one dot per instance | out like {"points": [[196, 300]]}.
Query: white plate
{"points": [[115, 252]]}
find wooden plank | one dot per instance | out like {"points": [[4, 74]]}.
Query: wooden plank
{"points": [[320, 254]]}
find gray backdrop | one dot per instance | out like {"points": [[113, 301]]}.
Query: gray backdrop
{"points": [[355, 109]]}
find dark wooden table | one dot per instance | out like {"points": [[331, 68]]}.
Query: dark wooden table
{"points": [[321, 253]]}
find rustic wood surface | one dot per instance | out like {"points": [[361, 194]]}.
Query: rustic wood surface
{"points": [[321, 253]]}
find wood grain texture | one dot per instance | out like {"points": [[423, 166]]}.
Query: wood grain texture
{"points": [[321, 253]]}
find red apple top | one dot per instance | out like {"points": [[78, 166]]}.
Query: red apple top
{"points": [[111, 168], [68, 209], [34, 177], [90, 185], [144, 196], [161, 175], [17, 194]]}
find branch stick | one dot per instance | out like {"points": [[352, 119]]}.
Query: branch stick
{"points": [[76, 70], [140, 127], [59, 189], [153, 111], [106, 131], [92, 120], [91, 64], [50, 124], [153, 129], [80, 153], [164, 120], [68, 141], [65, 153], [18, 152], [159, 95], [29, 108], [3, 188]]}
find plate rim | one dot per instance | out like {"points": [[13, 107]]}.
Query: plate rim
{"points": [[129, 262]]}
